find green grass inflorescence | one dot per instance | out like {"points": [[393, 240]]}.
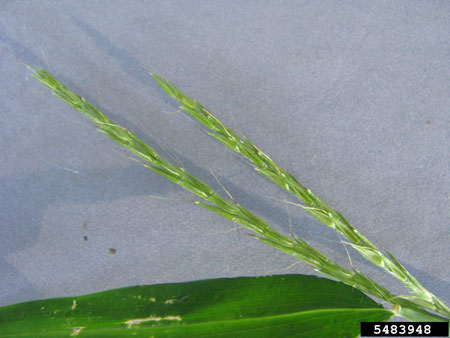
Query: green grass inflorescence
{"points": [[410, 307]]}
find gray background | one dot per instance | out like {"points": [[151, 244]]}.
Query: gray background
{"points": [[351, 97]]}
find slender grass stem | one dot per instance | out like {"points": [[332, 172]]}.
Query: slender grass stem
{"points": [[223, 207]]}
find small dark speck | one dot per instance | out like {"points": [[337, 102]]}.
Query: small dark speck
{"points": [[85, 226], [85, 238], [112, 250], [428, 122]]}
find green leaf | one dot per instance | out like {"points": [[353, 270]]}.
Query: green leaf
{"points": [[272, 306]]}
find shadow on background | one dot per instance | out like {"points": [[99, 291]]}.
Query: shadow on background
{"points": [[127, 62]]}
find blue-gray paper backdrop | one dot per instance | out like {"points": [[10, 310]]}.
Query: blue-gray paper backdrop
{"points": [[352, 97]]}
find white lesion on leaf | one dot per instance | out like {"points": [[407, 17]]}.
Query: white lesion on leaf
{"points": [[76, 331], [150, 319], [175, 300]]}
